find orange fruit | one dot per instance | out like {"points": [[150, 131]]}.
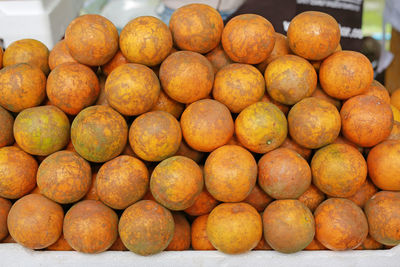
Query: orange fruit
{"points": [[60, 55], [145, 40], [370, 244], [396, 113], [42, 130], [132, 89], [196, 27], [91, 39], [313, 35], [102, 99], [167, 104], [181, 239], [378, 90], [395, 133], [383, 213], [261, 127], [155, 135], [312, 197], [314, 123], [366, 120], [258, 198], [281, 48], [384, 165], [199, 234], [6, 128], [92, 192], [218, 58], [317, 63], [186, 76], [28, 91], [72, 87], [176, 182], [364, 193], [289, 143], [230, 173], [60, 245], [64, 177], [186, 151], [1, 58], [342, 140], [5, 206], [238, 85], [99, 133], [267, 98], [203, 204], [338, 170], [288, 225], [248, 38], [395, 99], [319, 93], [118, 245], [234, 228], [35, 221], [146, 227], [30, 51], [345, 74], [315, 245], [122, 181], [340, 224], [262, 245], [206, 125], [289, 79], [117, 60]]}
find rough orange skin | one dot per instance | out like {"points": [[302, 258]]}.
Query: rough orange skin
{"points": [[290, 79], [338, 170], [167, 104], [345, 74], [313, 35], [370, 244], [186, 151], [60, 245], [364, 193], [5, 206], [238, 85], [378, 90], [99, 133], [196, 27], [155, 136], [342, 140], [206, 125], [145, 40], [35, 221], [60, 55], [176, 182], [17, 172], [1, 58], [289, 143], [64, 177], [92, 192], [91, 39], [182, 234], [317, 63], [30, 51], [395, 133], [102, 99], [132, 89], [366, 120], [283, 174], [315, 245], [383, 214], [41, 130], [395, 98], [90, 226], [281, 48], [218, 58], [230, 173], [6, 128], [384, 165], [340, 224], [22, 86], [267, 98], [314, 123], [203, 204], [146, 227], [234, 228], [186, 76], [319, 93], [261, 127], [312, 197], [288, 225], [122, 181], [199, 234], [258, 198], [118, 245], [248, 38], [117, 60], [72, 87]]}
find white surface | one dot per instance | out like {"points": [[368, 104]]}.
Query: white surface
{"points": [[44, 20], [16, 255]]}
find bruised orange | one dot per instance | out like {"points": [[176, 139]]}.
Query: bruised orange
{"points": [[155, 135], [64, 177], [203, 204], [181, 239], [146, 227], [230, 173], [289, 79], [91, 39], [281, 48], [218, 58], [312, 197], [248, 38], [234, 228], [60, 55], [6, 128], [35, 221], [167, 104], [261, 127], [237, 86], [186, 76], [199, 234], [5, 206]]}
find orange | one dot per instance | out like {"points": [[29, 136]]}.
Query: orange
{"points": [[218, 58], [378, 90], [199, 234], [312, 197], [117, 60], [181, 239], [289, 143], [5, 206], [364, 193], [281, 48], [258, 198], [6, 128], [167, 104], [203, 204], [60, 55]]}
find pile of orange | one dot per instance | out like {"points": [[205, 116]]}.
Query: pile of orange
{"points": [[197, 136]]}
